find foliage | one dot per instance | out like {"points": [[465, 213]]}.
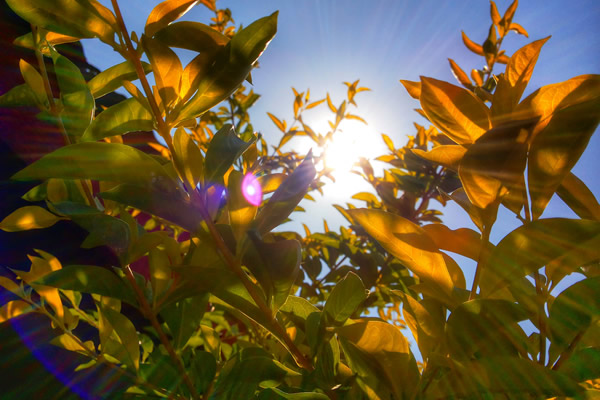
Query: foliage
{"points": [[233, 309]]}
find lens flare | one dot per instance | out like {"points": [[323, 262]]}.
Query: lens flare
{"points": [[251, 190]]}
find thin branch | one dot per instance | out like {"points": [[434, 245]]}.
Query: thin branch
{"points": [[481, 260]]}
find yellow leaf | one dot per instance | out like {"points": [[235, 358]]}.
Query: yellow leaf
{"points": [[356, 117], [188, 157], [422, 324], [447, 155], [271, 182], [39, 268], [14, 309], [463, 241], [165, 13], [495, 14], [409, 243], [314, 104], [34, 81], [413, 88], [457, 112], [166, 67], [459, 74], [519, 29], [330, 104], [471, 45], [68, 343], [241, 213], [280, 125], [579, 197], [28, 217], [510, 12]]}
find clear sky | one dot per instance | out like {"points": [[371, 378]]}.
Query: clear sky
{"points": [[321, 43]]}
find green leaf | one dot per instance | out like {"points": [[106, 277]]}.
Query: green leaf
{"points": [[34, 80], [287, 196], [346, 296], [224, 148], [241, 213], [485, 327], [298, 309], [457, 112], [409, 243], [501, 375], [204, 368], [531, 246], [126, 335], [557, 148], [89, 279], [583, 365], [380, 348], [183, 318], [99, 161], [28, 217], [573, 311], [162, 372], [206, 39], [82, 19], [275, 265], [19, 96], [165, 13], [426, 330], [276, 394], [126, 116], [188, 158], [78, 102], [579, 197], [232, 65], [111, 79], [242, 380]]}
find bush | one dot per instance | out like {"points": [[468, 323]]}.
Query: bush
{"points": [[203, 299]]}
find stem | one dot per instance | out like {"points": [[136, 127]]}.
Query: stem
{"points": [[541, 317], [564, 356], [149, 314], [54, 110], [485, 239]]}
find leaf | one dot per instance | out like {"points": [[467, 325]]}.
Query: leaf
{"points": [[501, 375], [496, 160], [463, 241], [74, 18], [276, 266], [13, 309], [495, 15], [557, 148], [583, 365], [241, 212], [269, 183], [347, 295], [424, 327], [166, 67], [34, 80], [188, 158], [446, 155], [286, 197], [206, 39], [126, 116], [126, 335], [579, 197], [573, 311], [492, 329], [409, 243], [231, 67], [459, 74], [474, 47], [517, 75], [280, 125], [89, 279], [223, 150], [384, 346], [203, 370], [78, 102], [531, 246], [99, 161], [461, 198], [518, 28], [165, 13], [276, 394], [28, 217], [457, 112], [112, 78], [68, 343], [183, 318], [413, 88], [19, 96]]}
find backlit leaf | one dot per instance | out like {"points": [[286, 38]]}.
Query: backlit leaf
{"points": [[34, 80], [459, 74], [463, 241], [457, 112], [286, 197], [241, 212], [188, 158], [224, 149], [474, 47], [206, 39], [89, 279], [531, 246], [77, 100], [579, 197], [409, 243], [112, 78], [28, 217], [125, 332], [424, 327], [166, 67], [446, 155], [280, 125], [100, 161], [344, 299], [126, 116], [461, 198], [518, 28], [165, 13], [13, 309]]}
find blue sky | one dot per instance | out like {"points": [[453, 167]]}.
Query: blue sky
{"points": [[321, 43]]}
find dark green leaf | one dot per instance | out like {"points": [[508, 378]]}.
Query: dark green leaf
{"points": [[583, 365], [276, 394], [224, 148], [19, 96], [206, 39], [89, 279], [100, 161], [126, 116], [346, 296], [183, 318], [579, 197], [127, 337], [204, 368]]}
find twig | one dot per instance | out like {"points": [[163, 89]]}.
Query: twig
{"points": [[481, 260]]}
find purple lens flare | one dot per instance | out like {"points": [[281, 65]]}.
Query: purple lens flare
{"points": [[251, 190]]}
